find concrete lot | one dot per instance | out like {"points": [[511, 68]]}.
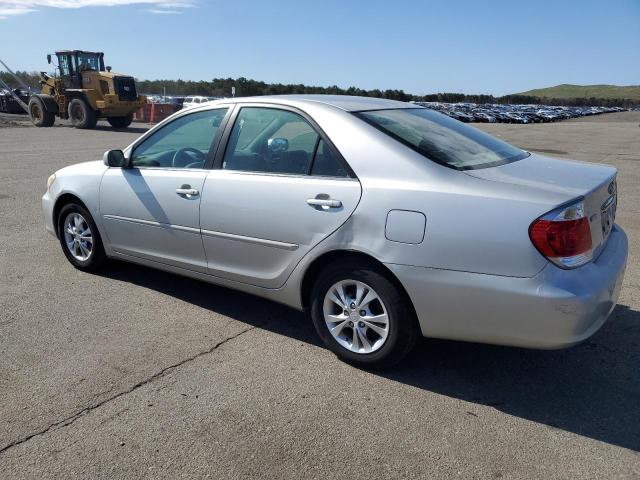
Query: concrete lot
{"points": [[135, 373]]}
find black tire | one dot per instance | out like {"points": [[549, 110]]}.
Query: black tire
{"points": [[404, 330], [120, 122], [81, 114], [38, 114], [97, 258]]}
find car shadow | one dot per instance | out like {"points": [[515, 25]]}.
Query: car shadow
{"points": [[592, 389]]}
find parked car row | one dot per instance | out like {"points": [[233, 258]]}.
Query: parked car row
{"points": [[183, 102], [492, 113], [151, 98], [195, 100]]}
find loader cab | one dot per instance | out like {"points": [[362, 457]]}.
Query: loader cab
{"points": [[72, 63]]}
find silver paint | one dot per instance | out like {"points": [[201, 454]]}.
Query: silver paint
{"points": [[475, 275]]}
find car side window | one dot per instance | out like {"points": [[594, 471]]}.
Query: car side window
{"points": [[326, 163], [183, 143], [270, 140]]}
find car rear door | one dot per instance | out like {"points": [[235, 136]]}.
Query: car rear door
{"points": [[279, 189], [152, 210]]}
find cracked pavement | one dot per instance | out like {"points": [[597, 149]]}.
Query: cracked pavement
{"points": [[135, 373]]}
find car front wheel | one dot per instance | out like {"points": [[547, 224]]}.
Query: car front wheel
{"points": [[362, 316], [79, 238]]}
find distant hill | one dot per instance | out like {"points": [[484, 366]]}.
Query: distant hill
{"points": [[631, 92]]}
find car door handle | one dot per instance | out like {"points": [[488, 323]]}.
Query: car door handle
{"points": [[187, 190], [324, 202]]}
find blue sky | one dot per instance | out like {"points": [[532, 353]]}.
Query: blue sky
{"points": [[422, 47]]}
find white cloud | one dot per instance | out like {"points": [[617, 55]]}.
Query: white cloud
{"points": [[9, 9], [20, 7], [157, 11]]}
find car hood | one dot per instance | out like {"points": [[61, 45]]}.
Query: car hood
{"points": [[95, 167], [564, 177]]}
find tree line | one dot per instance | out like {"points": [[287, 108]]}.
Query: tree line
{"points": [[32, 79], [221, 87]]}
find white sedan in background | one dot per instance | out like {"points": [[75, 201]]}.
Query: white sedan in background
{"points": [[194, 101]]}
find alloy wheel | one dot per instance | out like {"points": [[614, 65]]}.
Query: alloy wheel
{"points": [[356, 316], [78, 236]]}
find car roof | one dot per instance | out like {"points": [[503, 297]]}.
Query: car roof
{"points": [[344, 102]]}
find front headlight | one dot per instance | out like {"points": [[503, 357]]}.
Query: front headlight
{"points": [[50, 180]]}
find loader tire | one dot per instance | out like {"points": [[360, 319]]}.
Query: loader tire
{"points": [[120, 122], [39, 115], [81, 114]]}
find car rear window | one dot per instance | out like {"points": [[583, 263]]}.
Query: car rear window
{"points": [[442, 139]]}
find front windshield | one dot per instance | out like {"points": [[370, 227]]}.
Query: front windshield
{"points": [[88, 61], [443, 139]]}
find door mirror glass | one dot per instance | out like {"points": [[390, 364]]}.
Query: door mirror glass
{"points": [[277, 145], [114, 158]]}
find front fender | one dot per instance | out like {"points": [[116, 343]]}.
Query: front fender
{"points": [[81, 181], [49, 102]]}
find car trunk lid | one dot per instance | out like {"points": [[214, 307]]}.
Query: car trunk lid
{"points": [[596, 184]]}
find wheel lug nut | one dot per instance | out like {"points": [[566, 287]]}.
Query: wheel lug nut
{"points": [[362, 313], [361, 324], [353, 306], [345, 312], [351, 324]]}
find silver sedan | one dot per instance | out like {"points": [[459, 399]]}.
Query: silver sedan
{"points": [[384, 220]]}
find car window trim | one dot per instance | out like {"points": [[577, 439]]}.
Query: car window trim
{"points": [[313, 158], [288, 175], [213, 147], [224, 142]]}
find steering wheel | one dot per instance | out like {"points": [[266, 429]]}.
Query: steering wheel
{"points": [[182, 158]]}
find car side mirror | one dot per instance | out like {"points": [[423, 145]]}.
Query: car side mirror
{"points": [[114, 158], [49, 58], [108, 68], [277, 145]]}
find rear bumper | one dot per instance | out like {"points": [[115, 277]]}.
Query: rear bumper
{"points": [[554, 309]]}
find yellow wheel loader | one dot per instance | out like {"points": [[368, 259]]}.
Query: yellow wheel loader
{"points": [[83, 92]]}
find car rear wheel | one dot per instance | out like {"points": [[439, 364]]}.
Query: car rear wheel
{"points": [[81, 114], [362, 316], [120, 122], [79, 238]]}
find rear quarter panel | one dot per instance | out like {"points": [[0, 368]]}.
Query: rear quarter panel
{"points": [[472, 225]]}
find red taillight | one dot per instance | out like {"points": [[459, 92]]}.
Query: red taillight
{"points": [[563, 236]]}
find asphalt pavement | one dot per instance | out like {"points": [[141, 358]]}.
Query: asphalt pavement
{"points": [[135, 373]]}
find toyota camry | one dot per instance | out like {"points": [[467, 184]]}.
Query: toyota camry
{"points": [[384, 220]]}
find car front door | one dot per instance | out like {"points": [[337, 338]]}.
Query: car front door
{"points": [[279, 188], [151, 210]]}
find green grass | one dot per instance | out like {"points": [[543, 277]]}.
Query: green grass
{"points": [[631, 92]]}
